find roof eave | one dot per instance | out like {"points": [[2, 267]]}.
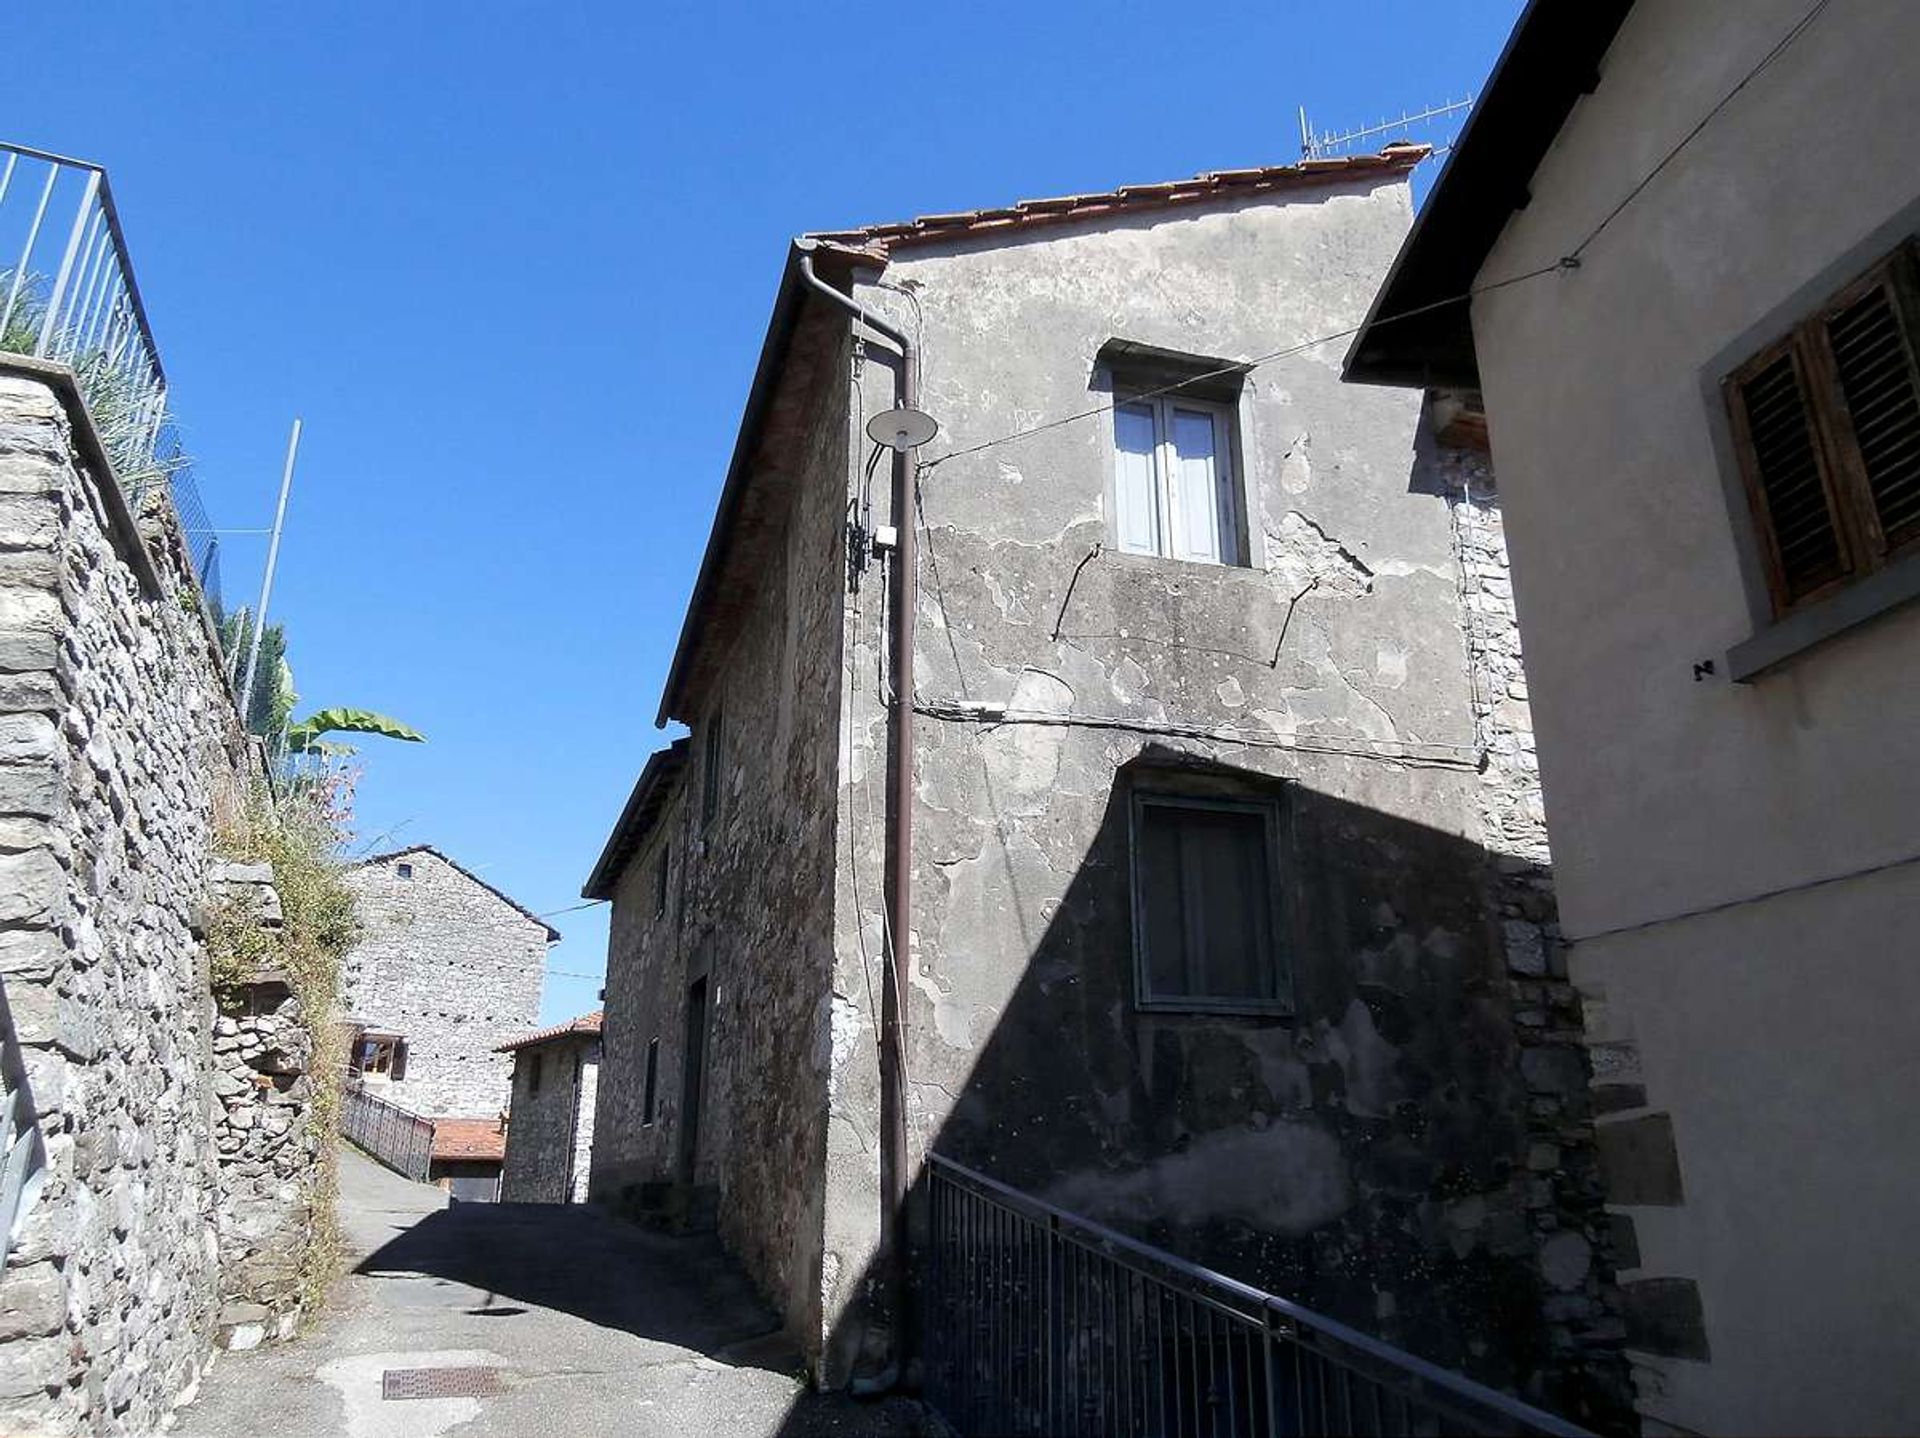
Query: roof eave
{"points": [[788, 305], [661, 766], [1551, 58], [553, 934]]}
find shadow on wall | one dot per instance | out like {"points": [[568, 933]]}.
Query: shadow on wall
{"points": [[1365, 1155]]}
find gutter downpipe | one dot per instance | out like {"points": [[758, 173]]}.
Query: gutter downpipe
{"points": [[893, 1097]]}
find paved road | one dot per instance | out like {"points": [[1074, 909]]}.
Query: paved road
{"points": [[596, 1327]]}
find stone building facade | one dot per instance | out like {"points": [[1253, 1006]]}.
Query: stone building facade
{"points": [[447, 969], [120, 752], [1388, 1120], [556, 1079]]}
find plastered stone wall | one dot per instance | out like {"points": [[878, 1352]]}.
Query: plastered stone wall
{"points": [[452, 966], [1405, 1150], [550, 1132], [1408, 1149], [119, 748]]}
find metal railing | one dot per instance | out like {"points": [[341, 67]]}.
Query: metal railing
{"points": [[1038, 1322], [402, 1141], [68, 293], [23, 1152]]}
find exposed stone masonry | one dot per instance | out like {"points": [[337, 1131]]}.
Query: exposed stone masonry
{"points": [[119, 749], [1563, 1195], [750, 900], [263, 1052], [452, 966], [550, 1132]]}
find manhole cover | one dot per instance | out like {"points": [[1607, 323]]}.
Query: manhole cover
{"points": [[398, 1383]]}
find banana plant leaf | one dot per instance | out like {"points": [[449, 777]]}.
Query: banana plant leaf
{"points": [[303, 736]]}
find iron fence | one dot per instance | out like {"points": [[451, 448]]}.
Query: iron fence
{"points": [[23, 1152], [402, 1141], [1041, 1323]]}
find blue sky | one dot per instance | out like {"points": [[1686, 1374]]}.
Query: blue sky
{"points": [[512, 264]]}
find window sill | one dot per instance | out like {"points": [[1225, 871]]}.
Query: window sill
{"points": [[1793, 635], [1210, 565], [1215, 1008]]}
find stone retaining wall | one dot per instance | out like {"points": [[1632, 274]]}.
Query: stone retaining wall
{"points": [[120, 750]]}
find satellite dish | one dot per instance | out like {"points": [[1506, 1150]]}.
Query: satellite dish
{"points": [[901, 429]]}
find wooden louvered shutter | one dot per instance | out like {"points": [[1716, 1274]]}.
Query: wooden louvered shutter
{"points": [[1867, 337], [1790, 482]]}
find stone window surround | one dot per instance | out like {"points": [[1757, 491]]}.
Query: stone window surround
{"points": [[1775, 641]]}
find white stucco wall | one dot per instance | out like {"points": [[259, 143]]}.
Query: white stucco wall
{"points": [[1777, 1034]]}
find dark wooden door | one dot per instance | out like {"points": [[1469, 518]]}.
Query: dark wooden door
{"points": [[693, 1077]]}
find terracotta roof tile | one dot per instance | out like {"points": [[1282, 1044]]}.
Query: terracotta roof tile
{"points": [[880, 240], [468, 1139], [585, 1024]]}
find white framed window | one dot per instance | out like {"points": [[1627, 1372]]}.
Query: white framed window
{"points": [[1174, 491]]}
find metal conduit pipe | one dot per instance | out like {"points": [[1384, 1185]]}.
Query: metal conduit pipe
{"points": [[893, 1095]]}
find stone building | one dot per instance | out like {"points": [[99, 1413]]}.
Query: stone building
{"points": [[447, 969], [556, 1075], [1231, 921], [166, 1199], [1695, 230]]}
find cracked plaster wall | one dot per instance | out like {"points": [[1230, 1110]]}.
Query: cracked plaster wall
{"points": [[1379, 1155]]}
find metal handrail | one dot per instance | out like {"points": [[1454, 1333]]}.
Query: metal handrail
{"points": [[77, 301], [401, 1140], [23, 1151], [112, 215], [1042, 1322], [90, 314]]}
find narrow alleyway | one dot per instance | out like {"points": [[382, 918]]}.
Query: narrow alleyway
{"points": [[593, 1326]]}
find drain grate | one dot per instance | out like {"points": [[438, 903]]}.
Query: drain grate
{"points": [[398, 1383]]}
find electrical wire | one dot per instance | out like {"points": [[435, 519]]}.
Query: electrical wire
{"points": [[1245, 366], [571, 908], [1570, 261], [1413, 754], [1687, 139]]}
